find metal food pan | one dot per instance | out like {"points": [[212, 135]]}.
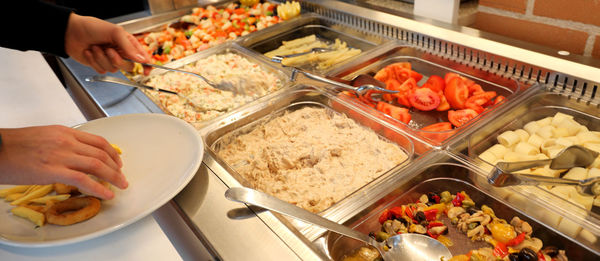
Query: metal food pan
{"points": [[449, 175], [427, 65], [299, 97], [281, 75], [324, 29], [578, 222], [159, 22]]}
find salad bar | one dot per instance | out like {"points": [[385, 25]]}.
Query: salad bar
{"points": [[415, 161]]}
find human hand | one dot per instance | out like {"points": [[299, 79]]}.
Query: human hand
{"points": [[102, 45], [58, 154]]}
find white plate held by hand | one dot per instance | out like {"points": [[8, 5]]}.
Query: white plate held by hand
{"points": [[161, 154]]}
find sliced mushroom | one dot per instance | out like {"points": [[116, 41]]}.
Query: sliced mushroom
{"points": [[438, 230], [455, 211], [479, 230]]}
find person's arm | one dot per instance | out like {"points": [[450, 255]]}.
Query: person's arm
{"points": [[58, 154], [34, 25], [58, 30]]}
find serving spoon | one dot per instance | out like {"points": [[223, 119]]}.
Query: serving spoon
{"points": [[570, 157], [222, 85], [110, 79], [406, 246]]}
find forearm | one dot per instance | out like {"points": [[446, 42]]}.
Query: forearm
{"points": [[40, 26]]}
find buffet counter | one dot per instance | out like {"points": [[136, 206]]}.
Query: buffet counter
{"points": [[201, 217]]}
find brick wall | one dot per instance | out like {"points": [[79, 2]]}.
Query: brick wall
{"points": [[570, 25]]}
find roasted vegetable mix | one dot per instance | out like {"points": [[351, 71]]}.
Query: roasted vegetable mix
{"points": [[508, 240]]}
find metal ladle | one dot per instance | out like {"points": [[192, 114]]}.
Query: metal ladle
{"points": [[406, 246], [570, 157], [357, 90]]}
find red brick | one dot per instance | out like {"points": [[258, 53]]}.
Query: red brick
{"points": [[518, 6], [584, 11], [596, 51], [538, 33]]}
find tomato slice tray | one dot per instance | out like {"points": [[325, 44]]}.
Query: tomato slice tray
{"points": [[441, 173], [416, 82], [483, 148], [220, 135], [324, 30]]}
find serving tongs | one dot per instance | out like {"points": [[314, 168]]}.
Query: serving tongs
{"points": [[279, 58], [360, 90], [110, 79], [573, 156], [222, 85]]}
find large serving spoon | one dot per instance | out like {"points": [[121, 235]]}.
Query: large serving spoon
{"points": [[573, 156], [222, 85], [406, 246], [110, 79]]}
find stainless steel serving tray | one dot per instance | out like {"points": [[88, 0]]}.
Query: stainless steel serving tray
{"points": [[299, 96], [323, 28], [427, 65], [535, 105], [439, 173], [282, 75]]}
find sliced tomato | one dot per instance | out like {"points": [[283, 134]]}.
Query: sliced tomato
{"points": [[404, 92], [450, 76], [475, 89], [424, 99], [391, 84], [398, 113], [415, 75], [460, 117], [440, 126], [444, 105], [456, 93], [499, 99], [478, 101], [435, 83], [398, 71]]}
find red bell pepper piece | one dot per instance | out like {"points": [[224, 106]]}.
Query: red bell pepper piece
{"points": [[457, 201], [431, 214], [385, 215], [500, 250], [434, 224], [432, 235], [396, 212], [517, 240]]}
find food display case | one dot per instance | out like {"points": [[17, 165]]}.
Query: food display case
{"points": [[233, 231]]}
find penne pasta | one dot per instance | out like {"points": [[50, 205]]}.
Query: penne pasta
{"points": [[531, 127], [508, 138], [525, 148], [523, 134]]}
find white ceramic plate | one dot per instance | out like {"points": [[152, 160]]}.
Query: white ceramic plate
{"points": [[161, 154]]}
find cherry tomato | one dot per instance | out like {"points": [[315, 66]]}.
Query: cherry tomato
{"points": [[456, 93], [398, 113], [460, 117], [424, 99], [440, 126], [435, 83]]}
